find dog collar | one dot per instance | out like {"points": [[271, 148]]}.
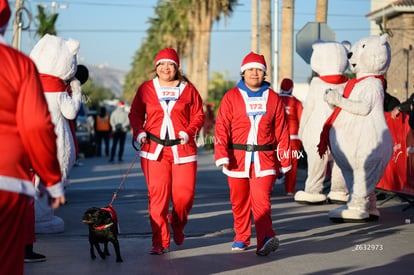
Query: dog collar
{"points": [[104, 226]]}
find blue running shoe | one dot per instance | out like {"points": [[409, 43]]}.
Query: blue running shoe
{"points": [[238, 246], [270, 245]]}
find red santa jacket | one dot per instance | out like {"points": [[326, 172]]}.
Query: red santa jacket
{"points": [[184, 116], [234, 126], [293, 111], [27, 134]]}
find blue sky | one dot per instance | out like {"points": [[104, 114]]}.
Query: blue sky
{"points": [[110, 32]]}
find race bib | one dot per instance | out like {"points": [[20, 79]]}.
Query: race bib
{"points": [[168, 93], [255, 106]]}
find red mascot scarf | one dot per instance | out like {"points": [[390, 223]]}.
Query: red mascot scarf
{"points": [[52, 84], [334, 79], [324, 139]]}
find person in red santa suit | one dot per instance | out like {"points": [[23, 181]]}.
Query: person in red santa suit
{"points": [[28, 143], [166, 115], [251, 127], [293, 111]]}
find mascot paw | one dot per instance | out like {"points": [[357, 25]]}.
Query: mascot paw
{"points": [[75, 86], [351, 215], [332, 97], [307, 198], [337, 197]]}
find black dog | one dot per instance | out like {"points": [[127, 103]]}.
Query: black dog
{"points": [[103, 228]]}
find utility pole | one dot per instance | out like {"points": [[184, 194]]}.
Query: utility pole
{"points": [[17, 25]]}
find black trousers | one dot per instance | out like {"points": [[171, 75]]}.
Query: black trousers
{"points": [[102, 135], [119, 136]]}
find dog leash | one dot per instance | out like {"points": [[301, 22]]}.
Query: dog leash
{"points": [[123, 180]]}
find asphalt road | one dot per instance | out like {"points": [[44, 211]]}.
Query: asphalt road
{"points": [[310, 242]]}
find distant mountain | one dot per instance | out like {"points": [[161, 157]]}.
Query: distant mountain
{"points": [[108, 77]]}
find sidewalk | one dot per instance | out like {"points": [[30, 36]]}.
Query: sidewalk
{"points": [[310, 242]]}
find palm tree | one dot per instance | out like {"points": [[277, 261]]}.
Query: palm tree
{"points": [[166, 30], [266, 35], [203, 14], [321, 11], [255, 30], [286, 48], [46, 22], [186, 26]]}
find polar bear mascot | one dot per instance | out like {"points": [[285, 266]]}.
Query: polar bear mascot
{"points": [[56, 61], [329, 60], [359, 138]]}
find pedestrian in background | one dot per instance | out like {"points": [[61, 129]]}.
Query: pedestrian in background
{"points": [[251, 128], [166, 115], [102, 131], [28, 143], [403, 107], [293, 111], [120, 126]]}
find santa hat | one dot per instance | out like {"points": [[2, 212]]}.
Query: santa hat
{"points": [[253, 60], [5, 14], [286, 86], [167, 54], [120, 104]]}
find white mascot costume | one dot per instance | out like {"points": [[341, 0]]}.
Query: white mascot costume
{"points": [[56, 61], [359, 138], [329, 60]]}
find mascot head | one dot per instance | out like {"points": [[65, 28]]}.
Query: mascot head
{"points": [[56, 56], [370, 55], [330, 57]]}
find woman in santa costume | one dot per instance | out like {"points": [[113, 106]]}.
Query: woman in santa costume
{"points": [[251, 128], [166, 115], [293, 110], [28, 142]]}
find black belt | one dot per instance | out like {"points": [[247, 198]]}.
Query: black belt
{"points": [[164, 142], [250, 147]]}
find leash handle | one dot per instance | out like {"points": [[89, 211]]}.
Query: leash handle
{"points": [[123, 180]]}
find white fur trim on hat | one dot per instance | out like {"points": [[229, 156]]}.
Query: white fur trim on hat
{"points": [[166, 60], [251, 65]]}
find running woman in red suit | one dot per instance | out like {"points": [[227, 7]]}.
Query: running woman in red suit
{"points": [[293, 111], [166, 115], [28, 142], [250, 128]]}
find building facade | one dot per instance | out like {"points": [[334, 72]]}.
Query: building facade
{"points": [[397, 19]]}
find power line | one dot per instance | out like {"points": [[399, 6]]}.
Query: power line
{"points": [[212, 31], [100, 4]]}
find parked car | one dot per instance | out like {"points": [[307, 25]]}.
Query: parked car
{"points": [[85, 132]]}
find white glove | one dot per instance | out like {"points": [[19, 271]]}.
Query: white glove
{"points": [[140, 138], [184, 137], [332, 97], [75, 86]]}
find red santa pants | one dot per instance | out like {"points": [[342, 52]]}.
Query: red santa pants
{"points": [[247, 194], [167, 180], [13, 207], [291, 175]]}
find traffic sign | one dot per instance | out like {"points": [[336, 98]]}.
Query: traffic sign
{"points": [[310, 33]]}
